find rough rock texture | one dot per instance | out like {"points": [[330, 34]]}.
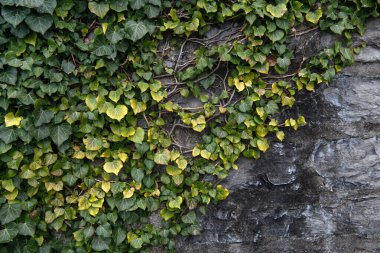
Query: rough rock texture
{"points": [[319, 190]]}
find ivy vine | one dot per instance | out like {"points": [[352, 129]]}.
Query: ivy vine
{"points": [[92, 94]]}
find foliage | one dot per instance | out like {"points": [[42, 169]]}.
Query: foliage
{"points": [[90, 105]]}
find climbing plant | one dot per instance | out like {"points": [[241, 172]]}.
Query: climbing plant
{"points": [[94, 101]]}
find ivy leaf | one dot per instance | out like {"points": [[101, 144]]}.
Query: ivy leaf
{"points": [[283, 62], [27, 228], [10, 212], [151, 11], [337, 28], [162, 157], [176, 203], [29, 3], [113, 167], [9, 76], [8, 233], [91, 102], [117, 112], [262, 144], [11, 120], [119, 235], [280, 135], [48, 6], [189, 218], [92, 143], [313, 17], [60, 133], [135, 30], [99, 244], [14, 16], [104, 230], [39, 23], [137, 106], [67, 66], [99, 9], [43, 117], [8, 135], [276, 11], [119, 5], [137, 243], [138, 137], [137, 174], [137, 4], [276, 35]]}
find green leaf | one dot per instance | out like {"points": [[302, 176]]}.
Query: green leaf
{"points": [[10, 212], [137, 243], [99, 244], [8, 135], [189, 218], [43, 117], [91, 102], [176, 203], [39, 23], [48, 6], [162, 157], [138, 137], [60, 133], [119, 5], [277, 11], [92, 143], [313, 17], [99, 9], [13, 15], [67, 66], [113, 167], [276, 35], [9, 76], [283, 62], [337, 28], [136, 4], [152, 11], [104, 230], [117, 112], [137, 174], [29, 3], [8, 233], [135, 30], [119, 235], [27, 228]]}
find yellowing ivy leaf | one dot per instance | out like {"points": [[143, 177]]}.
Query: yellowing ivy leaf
{"points": [[277, 11], [137, 106], [262, 144], [162, 157], [128, 193], [117, 112], [113, 167], [91, 102], [12, 120], [106, 186], [92, 143]]}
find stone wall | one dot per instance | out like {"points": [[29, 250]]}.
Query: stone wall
{"points": [[319, 190]]}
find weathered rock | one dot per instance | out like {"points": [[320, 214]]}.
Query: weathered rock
{"points": [[319, 190]]}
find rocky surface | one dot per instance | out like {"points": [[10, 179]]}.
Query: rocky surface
{"points": [[319, 190]]}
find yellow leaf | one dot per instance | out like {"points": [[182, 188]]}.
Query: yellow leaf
{"points": [[196, 151], [113, 167], [11, 195], [280, 135], [93, 211], [117, 112], [104, 27], [12, 120], [128, 193], [262, 144], [205, 154], [123, 157], [106, 186], [137, 106]]}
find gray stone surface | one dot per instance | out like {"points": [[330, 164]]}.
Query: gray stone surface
{"points": [[319, 190]]}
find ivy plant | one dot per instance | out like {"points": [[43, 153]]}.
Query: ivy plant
{"points": [[92, 95]]}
